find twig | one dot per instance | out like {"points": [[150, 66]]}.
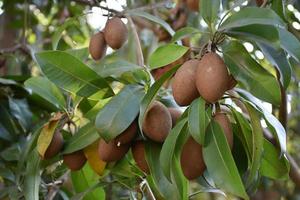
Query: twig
{"points": [[264, 3]]}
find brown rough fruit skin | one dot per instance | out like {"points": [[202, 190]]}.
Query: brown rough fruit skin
{"points": [[97, 46], [175, 115], [183, 84], [192, 162], [193, 5], [158, 122], [138, 153], [110, 152], [212, 77], [75, 161], [224, 122], [115, 33], [127, 135], [55, 146]]}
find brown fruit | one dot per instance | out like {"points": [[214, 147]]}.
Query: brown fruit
{"points": [[115, 33], [231, 82], [225, 124], [158, 122], [75, 161], [55, 146], [175, 115], [212, 77], [127, 135], [259, 2], [183, 85], [193, 5], [97, 46], [110, 152], [138, 153], [191, 159]]}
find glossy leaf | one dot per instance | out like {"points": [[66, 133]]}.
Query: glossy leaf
{"points": [[250, 74], [252, 15], [82, 53], [220, 163], [290, 43], [209, 10], [198, 120], [184, 32], [19, 108], [47, 90], [69, 73], [166, 54], [84, 137], [273, 165], [116, 69], [119, 112], [151, 93]]}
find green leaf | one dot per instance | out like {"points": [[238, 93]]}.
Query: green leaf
{"points": [[250, 74], [252, 15], [82, 53], [220, 163], [84, 137], [58, 33], [184, 32], [278, 7], [154, 19], [166, 54], [279, 59], [198, 119], [119, 112], [148, 98], [273, 165], [69, 73], [289, 43], [179, 179], [19, 108], [168, 148], [83, 180], [209, 10], [257, 144], [32, 176], [116, 69], [47, 90]]}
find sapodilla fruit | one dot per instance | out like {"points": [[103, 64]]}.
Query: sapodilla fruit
{"points": [[191, 160], [127, 135], [138, 153], [183, 84], [259, 2], [212, 77], [97, 46], [55, 145], [193, 5], [110, 152], [75, 161], [224, 122], [175, 115], [115, 33], [158, 122]]}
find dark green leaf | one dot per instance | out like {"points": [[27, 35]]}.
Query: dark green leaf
{"points": [[84, 137], [119, 112], [252, 15], [47, 90], [184, 32], [19, 108], [209, 10], [278, 7], [250, 74], [290, 43], [166, 54], [220, 163], [69, 73]]}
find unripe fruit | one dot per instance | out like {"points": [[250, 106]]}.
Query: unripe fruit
{"points": [[183, 85], [115, 33], [224, 122], [192, 162], [97, 47], [193, 5], [138, 153], [231, 82], [175, 115], [158, 122], [127, 135], [212, 77], [75, 161], [55, 145], [110, 152]]}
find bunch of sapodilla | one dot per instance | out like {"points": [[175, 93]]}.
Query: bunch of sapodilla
{"points": [[115, 34]]}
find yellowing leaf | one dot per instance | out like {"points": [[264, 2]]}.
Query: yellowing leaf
{"points": [[91, 153]]}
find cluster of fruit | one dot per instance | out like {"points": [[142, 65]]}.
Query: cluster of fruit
{"points": [[114, 35]]}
